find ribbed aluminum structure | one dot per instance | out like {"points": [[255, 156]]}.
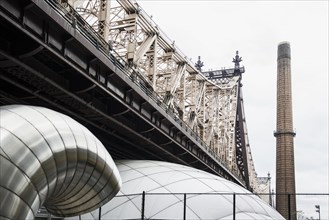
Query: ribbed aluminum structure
{"points": [[48, 159], [208, 197]]}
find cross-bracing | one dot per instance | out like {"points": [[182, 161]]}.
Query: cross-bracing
{"points": [[213, 108]]}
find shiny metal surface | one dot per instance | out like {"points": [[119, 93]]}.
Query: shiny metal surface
{"points": [[48, 159]]}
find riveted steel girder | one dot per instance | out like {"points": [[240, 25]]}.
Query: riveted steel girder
{"points": [[208, 107]]}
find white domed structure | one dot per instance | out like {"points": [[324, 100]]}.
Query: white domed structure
{"points": [[207, 196]]}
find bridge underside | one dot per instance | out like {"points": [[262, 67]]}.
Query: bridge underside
{"points": [[44, 62]]}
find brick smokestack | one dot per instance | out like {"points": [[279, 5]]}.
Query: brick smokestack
{"points": [[285, 166]]}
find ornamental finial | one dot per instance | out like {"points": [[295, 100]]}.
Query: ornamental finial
{"points": [[199, 64], [237, 60]]}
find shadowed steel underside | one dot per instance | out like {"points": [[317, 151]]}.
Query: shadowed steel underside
{"points": [[48, 159]]}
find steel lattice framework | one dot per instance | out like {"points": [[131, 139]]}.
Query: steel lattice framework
{"points": [[211, 106]]}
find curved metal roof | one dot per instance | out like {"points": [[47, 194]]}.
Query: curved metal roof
{"points": [[208, 196]]}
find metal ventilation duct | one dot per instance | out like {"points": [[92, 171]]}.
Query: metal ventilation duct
{"points": [[48, 159]]}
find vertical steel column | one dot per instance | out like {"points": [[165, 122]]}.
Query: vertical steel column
{"points": [[143, 205], [240, 142], [233, 206], [104, 19], [184, 216], [152, 54], [100, 213]]}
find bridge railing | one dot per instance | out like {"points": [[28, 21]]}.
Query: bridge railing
{"points": [[77, 22]]}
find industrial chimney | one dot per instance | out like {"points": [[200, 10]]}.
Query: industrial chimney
{"points": [[285, 166]]}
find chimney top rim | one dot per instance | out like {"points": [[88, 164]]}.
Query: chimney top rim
{"points": [[284, 42]]}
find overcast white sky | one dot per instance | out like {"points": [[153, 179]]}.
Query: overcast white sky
{"points": [[214, 30]]}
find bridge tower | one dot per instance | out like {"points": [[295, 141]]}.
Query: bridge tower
{"points": [[238, 144], [285, 168]]}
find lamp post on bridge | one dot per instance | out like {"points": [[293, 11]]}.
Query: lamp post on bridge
{"points": [[318, 210]]}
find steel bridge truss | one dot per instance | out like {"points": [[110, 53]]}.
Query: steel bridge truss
{"points": [[212, 107]]}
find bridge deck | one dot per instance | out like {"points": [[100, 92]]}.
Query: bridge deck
{"points": [[48, 59]]}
